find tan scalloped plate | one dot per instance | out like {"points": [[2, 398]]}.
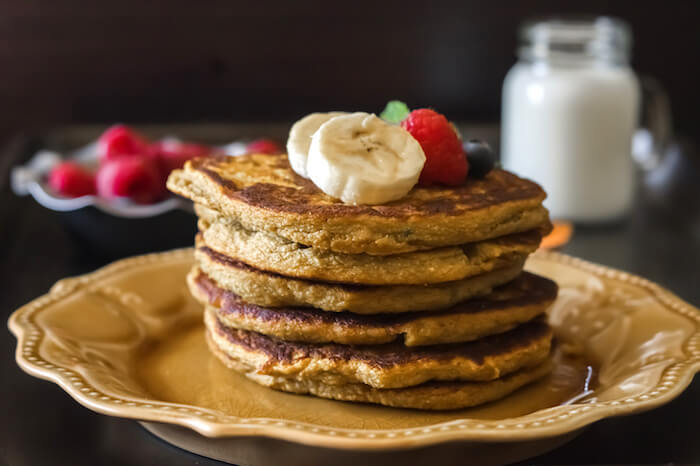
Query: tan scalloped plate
{"points": [[127, 341]]}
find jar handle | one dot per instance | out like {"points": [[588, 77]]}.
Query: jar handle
{"points": [[656, 126]]}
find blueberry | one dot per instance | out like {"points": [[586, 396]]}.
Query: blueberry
{"points": [[480, 157]]}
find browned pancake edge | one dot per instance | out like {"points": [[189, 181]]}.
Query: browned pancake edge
{"points": [[527, 289], [498, 187], [389, 354]]}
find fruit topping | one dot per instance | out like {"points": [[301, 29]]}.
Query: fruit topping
{"points": [[481, 158], [71, 180], [445, 162], [264, 146], [395, 112], [132, 166], [172, 154], [119, 141], [299, 140], [361, 159], [137, 178]]}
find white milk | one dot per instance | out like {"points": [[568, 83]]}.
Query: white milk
{"points": [[567, 123]]}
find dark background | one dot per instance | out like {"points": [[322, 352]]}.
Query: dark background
{"points": [[183, 61], [67, 62]]}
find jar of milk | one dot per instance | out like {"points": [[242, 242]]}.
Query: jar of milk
{"points": [[570, 108]]}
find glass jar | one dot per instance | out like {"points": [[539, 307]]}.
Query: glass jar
{"points": [[570, 108]]}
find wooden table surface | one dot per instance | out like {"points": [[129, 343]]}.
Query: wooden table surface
{"points": [[42, 425]]}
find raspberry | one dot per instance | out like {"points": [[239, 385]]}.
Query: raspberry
{"points": [[71, 180], [445, 161], [119, 141], [264, 146], [137, 178], [173, 154]]}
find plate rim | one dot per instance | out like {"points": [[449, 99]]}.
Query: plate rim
{"points": [[550, 422]]}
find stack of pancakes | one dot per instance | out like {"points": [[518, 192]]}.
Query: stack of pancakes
{"points": [[419, 303]]}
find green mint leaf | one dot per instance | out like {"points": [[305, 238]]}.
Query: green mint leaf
{"points": [[394, 112]]}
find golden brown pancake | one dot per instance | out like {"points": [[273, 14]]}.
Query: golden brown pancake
{"points": [[272, 253], [428, 396], [391, 365], [263, 193], [507, 306], [275, 290]]}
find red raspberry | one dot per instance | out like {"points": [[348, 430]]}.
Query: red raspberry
{"points": [[118, 141], [137, 178], [445, 161], [173, 154], [71, 180], [264, 146]]}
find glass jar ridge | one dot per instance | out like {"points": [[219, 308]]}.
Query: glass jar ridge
{"points": [[603, 39]]}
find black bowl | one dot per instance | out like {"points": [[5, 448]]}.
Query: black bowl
{"points": [[111, 237]]}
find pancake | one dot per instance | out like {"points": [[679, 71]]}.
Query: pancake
{"points": [[507, 306], [263, 193], [275, 290], [391, 365], [272, 253], [428, 396]]}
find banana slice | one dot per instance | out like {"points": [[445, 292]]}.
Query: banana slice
{"points": [[300, 139], [361, 159]]}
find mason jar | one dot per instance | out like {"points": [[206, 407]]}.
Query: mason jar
{"points": [[570, 108]]}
